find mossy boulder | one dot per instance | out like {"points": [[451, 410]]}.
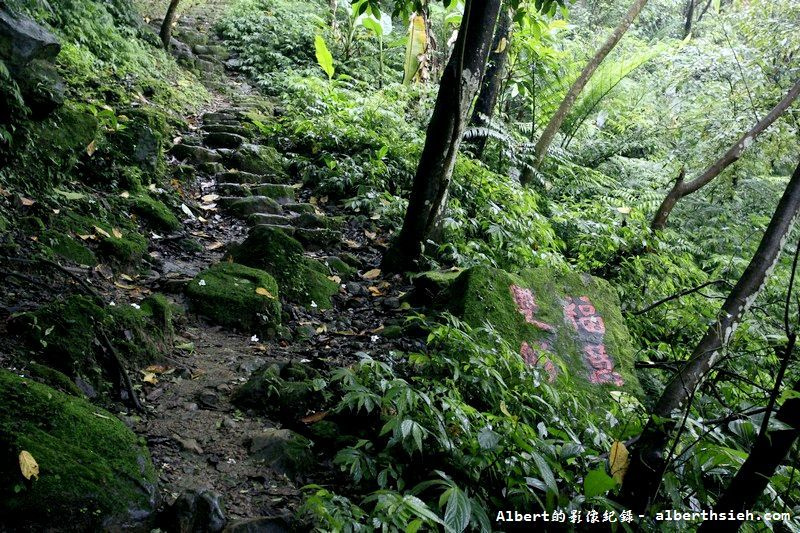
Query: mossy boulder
{"points": [[94, 473], [243, 207], [237, 296], [568, 323], [282, 450], [65, 335], [154, 212], [68, 248], [302, 280], [257, 159], [285, 391]]}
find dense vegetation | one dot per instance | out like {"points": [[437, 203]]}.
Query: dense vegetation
{"points": [[443, 436]]}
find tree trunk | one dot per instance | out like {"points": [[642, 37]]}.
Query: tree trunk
{"points": [[684, 188], [460, 81], [169, 20], [647, 456], [493, 79], [769, 451], [687, 26], [569, 100]]}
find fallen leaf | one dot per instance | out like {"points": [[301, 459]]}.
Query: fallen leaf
{"points": [[624, 210], [28, 465], [91, 149], [314, 417], [264, 292], [215, 245], [372, 274], [26, 202], [618, 461], [351, 243], [313, 200], [86, 237], [210, 198], [370, 235], [4, 192], [335, 279], [375, 291], [125, 194], [102, 232], [376, 216], [208, 207], [322, 329], [187, 211], [124, 286], [117, 233], [126, 277], [149, 377]]}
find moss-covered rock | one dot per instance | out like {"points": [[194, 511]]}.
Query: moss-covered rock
{"points": [[94, 474], [285, 391], [257, 159], [302, 280], [68, 248], [339, 267], [154, 212], [237, 296], [64, 335], [243, 207], [568, 323]]}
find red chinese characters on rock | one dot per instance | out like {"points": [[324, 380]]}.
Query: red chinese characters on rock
{"points": [[532, 358], [591, 332], [526, 304]]}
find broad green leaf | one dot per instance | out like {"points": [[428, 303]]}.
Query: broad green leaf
{"points": [[415, 48], [546, 472], [597, 482], [324, 57], [457, 512]]}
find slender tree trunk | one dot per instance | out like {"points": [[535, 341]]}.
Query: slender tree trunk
{"points": [[572, 95], [770, 450], [493, 79], [647, 455], [169, 20], [460, 81], [685, 188], [687, 26]]}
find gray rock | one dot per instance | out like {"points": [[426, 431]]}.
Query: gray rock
{"points": [[258, 219], [263, 524], [224, 140], [227, 128], [243, 207], [282, 450], [197, 154], [233, 189], [283, 193], [300, 208], [195, 512], [22, 40], [234, 176]]}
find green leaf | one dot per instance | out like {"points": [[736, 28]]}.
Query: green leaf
{"points": [[597, 482], [457, 512], [488, 439], [324, 57], [546, 473]]}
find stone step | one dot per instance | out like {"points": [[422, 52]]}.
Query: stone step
{"points": [[300, 208], [257, 159], [257, 219], [223, 140], [249, 205], [282, 193], [196, 154], [236, 176], [315, 220], [289, 230], [226, 128], [317, 238]]}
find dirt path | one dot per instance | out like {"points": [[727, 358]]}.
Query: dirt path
{"points": [[198, 439]]}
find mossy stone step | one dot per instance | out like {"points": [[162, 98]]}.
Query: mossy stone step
{"points": [[302, 280], [315, 220], [284, 194], [258, 159], [225, 128], [286, 228], [234, 189], [300, 208], [317, 238], [196, 154], [94, 473], [220, 117], [237, 296], [249, 205], [236, 176], [264, 218], [223, 140]]}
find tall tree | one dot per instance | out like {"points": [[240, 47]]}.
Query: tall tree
{"points": [[493, 79], [460, 81], [684, 188], [563, 110], [169, 21], [687, 25], [647, 455]]}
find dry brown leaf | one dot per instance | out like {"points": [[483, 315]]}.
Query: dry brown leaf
{"points": [[149, 377], [313, 418], [375, 291], [26, 202], [351, 243], [322, 329], [618, 461], [28, 465], [371, 235], [210, 198], [125, 277], [124, 286], [117, 233], [91, 149], [335, 279], [372, 274], [264, 292], [102, 232], [86, 237], [313, 200], [4, 192], [215, 245], [376, 216]]}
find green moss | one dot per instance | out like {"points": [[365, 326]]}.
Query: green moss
{"points": [[127, 249], [339, 267], [53, 378], [93, 473], [226, 293], [283, 390], [480, 295], [68, 248], [301, 279], [258, 159], [63, 335], [154, 212]]}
